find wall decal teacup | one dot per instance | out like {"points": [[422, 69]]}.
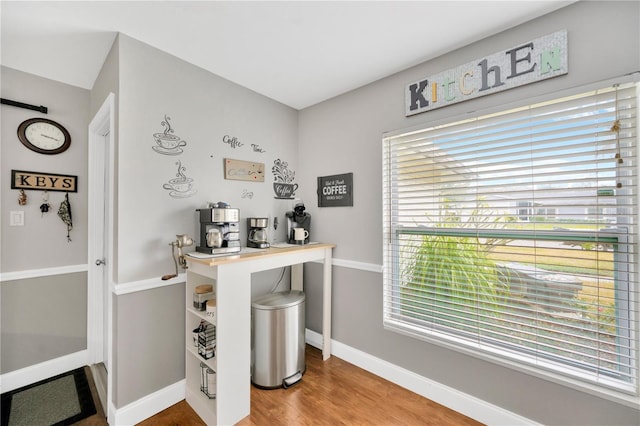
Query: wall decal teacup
{"points": [[179, 184], [283, 184], [166, 141], [285, 190]]}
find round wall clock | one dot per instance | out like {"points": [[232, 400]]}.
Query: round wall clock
{"points": [[44, 136]]}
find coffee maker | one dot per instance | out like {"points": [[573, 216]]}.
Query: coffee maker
{"points": [[257, 232], [298, 219], [219, 230]]}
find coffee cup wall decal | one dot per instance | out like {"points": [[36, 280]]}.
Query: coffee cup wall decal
{"points": [[285, 190], [180, 186], [166, 142], [283, 185]]}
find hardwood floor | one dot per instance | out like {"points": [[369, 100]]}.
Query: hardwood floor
{"points": [[331, 392]]}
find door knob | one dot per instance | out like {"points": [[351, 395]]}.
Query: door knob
{"points": [[100, 262]]}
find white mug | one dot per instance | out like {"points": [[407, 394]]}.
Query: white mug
{"points": [[300, 234]]}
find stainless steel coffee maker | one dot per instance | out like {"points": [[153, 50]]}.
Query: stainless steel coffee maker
{"points": [[219, 230], [298, 219], [257, 232]]}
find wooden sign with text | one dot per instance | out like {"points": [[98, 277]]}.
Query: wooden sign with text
{"points": [[21, 179], [243, 170]]}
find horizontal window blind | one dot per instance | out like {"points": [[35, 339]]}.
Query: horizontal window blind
{"points": [[514, 234]]}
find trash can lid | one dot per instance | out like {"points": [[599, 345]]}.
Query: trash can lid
{"points": [[283, 299]]}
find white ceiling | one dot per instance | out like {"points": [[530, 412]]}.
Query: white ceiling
{"points": [[298, 52]]}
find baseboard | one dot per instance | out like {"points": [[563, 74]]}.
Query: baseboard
{"points": [[468, 405], [34, 373], [149, 405]]}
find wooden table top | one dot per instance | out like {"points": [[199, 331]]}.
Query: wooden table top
{"points": [[252, 253]]}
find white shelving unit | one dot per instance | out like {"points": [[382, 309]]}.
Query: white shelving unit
{"points": [[231, 280], [206, 407]]}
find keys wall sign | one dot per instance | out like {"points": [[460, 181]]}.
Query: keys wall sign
{"points": [[21, 179]]}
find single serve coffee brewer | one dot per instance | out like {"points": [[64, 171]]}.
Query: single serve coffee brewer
{"points": [[219, 229], [298, 218]]}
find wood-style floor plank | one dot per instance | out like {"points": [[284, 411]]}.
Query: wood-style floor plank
{"points": [[331, 392]]}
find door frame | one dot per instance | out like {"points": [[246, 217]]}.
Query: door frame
{"points": [[100, 282]]}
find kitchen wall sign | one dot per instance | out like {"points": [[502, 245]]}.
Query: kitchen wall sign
{"points": [[243, 170], [537, 60], [21, 179], [335, 190]]}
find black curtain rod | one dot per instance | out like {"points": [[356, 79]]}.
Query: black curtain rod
{"points": [[40, 108]]}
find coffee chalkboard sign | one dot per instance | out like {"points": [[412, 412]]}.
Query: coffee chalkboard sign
{"points": [[335, 191]]}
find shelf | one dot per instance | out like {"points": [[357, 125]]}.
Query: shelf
{"points": [[200, 314], [202, 405], [231, 279], [212, 363]]}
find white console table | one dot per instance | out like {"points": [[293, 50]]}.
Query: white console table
{"points": [[231, 278]]}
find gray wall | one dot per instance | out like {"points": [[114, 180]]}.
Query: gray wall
{"points": [[337, 136], [151, 352], [344, 135], [42, 318], [42, 242], [203, 108]]}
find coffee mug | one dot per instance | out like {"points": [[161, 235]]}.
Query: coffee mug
{"points": [[300, 234]]}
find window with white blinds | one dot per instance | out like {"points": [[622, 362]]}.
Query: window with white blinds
{"points": [[513, 235]]}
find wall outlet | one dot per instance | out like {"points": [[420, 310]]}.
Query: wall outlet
{"points": [[16, 218]]}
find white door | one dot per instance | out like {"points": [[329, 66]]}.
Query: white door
{"points": [[100, 242]]}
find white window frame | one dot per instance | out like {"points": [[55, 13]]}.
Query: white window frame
{"points": [[612, 391]]}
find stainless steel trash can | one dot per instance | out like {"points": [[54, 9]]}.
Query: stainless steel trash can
{"points": [[277, 339]]}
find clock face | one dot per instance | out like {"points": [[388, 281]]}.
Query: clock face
{"points": [[44, 136]]}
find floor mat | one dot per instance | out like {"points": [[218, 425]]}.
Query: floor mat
{"points": [[60, 400]]}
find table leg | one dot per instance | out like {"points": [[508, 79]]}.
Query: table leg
{"points": [[296, 277], [326, 305]]}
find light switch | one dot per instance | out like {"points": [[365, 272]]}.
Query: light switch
{"points": [[16, 218]]}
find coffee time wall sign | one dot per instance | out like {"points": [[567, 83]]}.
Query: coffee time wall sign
{"points": [[537, 60]]}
